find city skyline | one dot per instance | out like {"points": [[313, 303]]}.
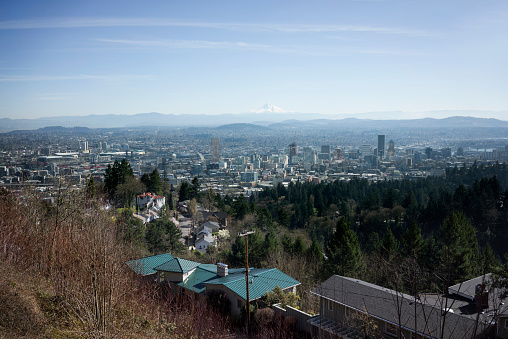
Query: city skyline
{"points": [[343, 57]]}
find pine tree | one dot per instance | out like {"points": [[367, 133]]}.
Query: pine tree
{"points": [[412, 241], [389, 246], [459, 248], [342, 252], [155, 182]]}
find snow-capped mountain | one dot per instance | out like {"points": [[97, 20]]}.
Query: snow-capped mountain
{"points": [[267, 108]]}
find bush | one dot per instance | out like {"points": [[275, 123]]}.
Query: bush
{"points": [[218, 300], [264, 316]]}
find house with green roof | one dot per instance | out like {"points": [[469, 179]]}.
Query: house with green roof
{"points": [[175, 270], [200, 278], [145, 266], [260, 282]]}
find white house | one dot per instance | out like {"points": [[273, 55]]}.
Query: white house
{"points": [[149, 200]]}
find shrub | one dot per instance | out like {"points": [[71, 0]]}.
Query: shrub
{"points": [[264, 316]]}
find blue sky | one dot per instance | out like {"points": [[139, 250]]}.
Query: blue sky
{"points": [[212, 57]]}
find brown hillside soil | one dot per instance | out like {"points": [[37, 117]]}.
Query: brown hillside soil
{"points": [[20, 312], [28, 308]]}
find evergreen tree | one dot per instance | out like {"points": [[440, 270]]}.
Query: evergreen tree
{"points": [[90, 188], [299, 246], [155, 182], [314, 253], [412, 241], [185, 192], [459, 248], [240, 207], [116, 175], [488, 260], [163, 236], [271, 243], [194, 189], [169, 201], [287, 243], [342, 252], [389, 246]]}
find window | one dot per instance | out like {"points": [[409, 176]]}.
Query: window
{"points": [[330, 305], [239, 303], [391, 329], [506, 323]]}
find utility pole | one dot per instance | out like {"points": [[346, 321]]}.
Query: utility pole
{"points": [[246, 235]]}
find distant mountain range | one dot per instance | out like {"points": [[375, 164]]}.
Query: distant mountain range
{"points": [[268, 116]]}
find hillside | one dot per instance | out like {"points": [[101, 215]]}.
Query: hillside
{"points": [[67, 278]]}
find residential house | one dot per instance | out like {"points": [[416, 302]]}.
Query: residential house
{"points": [[203, 240], [344, 302], [204, 236], [219, 217], [144, 267], [199, 278], [210, 226], [148, 200]]}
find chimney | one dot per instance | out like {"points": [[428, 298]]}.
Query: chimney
{"points": [[222, 270], [481, 296]]}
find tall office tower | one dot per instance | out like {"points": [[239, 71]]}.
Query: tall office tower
{"points": [[338, 154], [325, 152], [367, 150], [460, 151], [293, 152], [309, 155], [428, 152], [215, 149], [83, 145], [325, 149], [381, 146], [391, 149], [447, 152]]}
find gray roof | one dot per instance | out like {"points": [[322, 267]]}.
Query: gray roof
{"points": [[390, 306], [467, 288]]}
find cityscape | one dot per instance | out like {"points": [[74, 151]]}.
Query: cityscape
{"points": [[226, 170]]}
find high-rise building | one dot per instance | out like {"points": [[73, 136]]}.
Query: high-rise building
{"points": [[83, 145], [367, 150], [428, 152], [215, 149], [381, 146], [309, 155], [338, 154], [325, 149], [391, 149], [292, 152], [446, 152]]}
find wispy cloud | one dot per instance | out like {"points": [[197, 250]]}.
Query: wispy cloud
{"points": [[185, 43], [14, 78], [314, 50], [53, 97], [21, 78], [158, 22]]}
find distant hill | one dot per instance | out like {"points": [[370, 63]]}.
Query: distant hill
{"points": [[243, 127], [271, 120], [349, 123]]}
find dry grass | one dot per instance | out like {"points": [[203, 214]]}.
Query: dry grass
{"points": [[63, 275]]}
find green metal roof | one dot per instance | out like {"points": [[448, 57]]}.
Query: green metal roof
{"points": [[145, 266], [194, 281], [177, 265], [209, 267], [261, 281]]}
